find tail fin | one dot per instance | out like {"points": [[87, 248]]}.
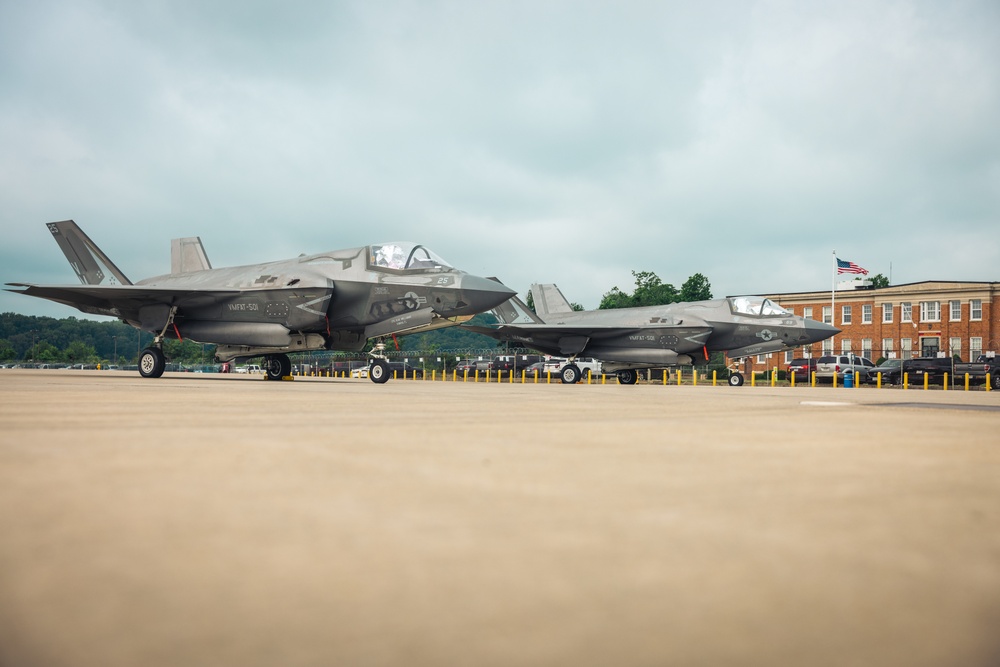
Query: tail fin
{"points": [[514, 311], [87, 260], [188, 255], [549, 300]]}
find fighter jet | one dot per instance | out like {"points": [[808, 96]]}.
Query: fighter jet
{"points": [[629, 339], [335, 300]]}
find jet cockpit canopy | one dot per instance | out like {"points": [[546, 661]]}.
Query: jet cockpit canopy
{"points": [[756, 305], [405, 256]]}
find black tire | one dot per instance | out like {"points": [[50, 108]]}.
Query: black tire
{"points": [[152, 363], [378, 372], [277, 366], [995, 381], [735, 380], [570, 374], [627, 376]]}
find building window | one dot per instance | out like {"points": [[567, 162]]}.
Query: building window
{"points": [[955, 347], [827, 315], [827, 347], [930, 311], [906, 348], [845, 314], [845, 346], [887, 348], [956, 311], [761, 358], [975, 347], [905, 312], [807, 313], [887, 312], [788, 356], [976, 309], [866, 348], [866, 314]]}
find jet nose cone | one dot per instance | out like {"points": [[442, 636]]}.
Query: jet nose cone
{"points": [[482, 294], [817, 331]]}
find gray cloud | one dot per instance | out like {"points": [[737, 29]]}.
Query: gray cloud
{"points": [[563, 142]]}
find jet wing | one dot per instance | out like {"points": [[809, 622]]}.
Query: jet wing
{"points": [[119, 300]]}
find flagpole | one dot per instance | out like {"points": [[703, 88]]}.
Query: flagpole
{"points": [[833, 300]]}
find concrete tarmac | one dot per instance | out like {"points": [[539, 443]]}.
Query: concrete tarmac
{"points": [[225, 520]]}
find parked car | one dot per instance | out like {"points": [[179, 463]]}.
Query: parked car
{"points": [[537, 368], [802, 369], [932, 367], [586, 365], [838, 365], [891, 369], [986, 364]]}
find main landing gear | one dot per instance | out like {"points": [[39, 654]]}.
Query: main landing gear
{"points": [[735, 380], [378, 367], [277, 366], [628, 376], [570, 374], [152, 363]]}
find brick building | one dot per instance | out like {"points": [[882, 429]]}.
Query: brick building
{"points": [[901, 321]]}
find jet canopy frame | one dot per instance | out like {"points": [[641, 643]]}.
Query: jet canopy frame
{"points": [[405, 257], [756, 306]]}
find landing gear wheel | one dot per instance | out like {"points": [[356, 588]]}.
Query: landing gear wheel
{"points": [[378, 372], [152, 362], [627, 376], [277, 366], [735, 380], [570, 374]]}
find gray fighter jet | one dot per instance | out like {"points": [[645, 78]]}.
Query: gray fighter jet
{"points": [[335, 300], [629, 339]]}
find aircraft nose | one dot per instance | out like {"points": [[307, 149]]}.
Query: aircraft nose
{"points": [[482, 294], [817, 331]]}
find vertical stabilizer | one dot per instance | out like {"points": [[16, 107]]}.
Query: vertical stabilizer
{"points": [[91, 265], [188, 255], [549, 300], [514, 311]]}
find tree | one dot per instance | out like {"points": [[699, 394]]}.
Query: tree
{"points": [[651, 291], [696, 288], [79, 352], [879, 281]]}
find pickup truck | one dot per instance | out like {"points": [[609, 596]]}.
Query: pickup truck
{"points": [[978, 370]]}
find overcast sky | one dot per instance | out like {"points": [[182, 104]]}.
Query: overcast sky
{"points": [[566, 142]]}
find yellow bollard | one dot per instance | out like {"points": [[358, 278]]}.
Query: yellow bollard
{"points": [[966, 382], [664, 378], [753, 378], [944, 384], [589, 375], [524, 375], [465, 375], [878, 380], [536, 377], [549, 379], [812, 374], [604, 378], [477, 375], [906, 380], [834, 379], [434, 375], [857, 375], [774, 377], [989, 387], [694, 377], [793, 379], [714, 377], [927, 381]]}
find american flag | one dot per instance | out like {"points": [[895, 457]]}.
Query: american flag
{"points": [[849, 267]]}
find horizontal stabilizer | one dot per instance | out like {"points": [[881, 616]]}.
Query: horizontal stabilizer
{"points": [[88, 261]]}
